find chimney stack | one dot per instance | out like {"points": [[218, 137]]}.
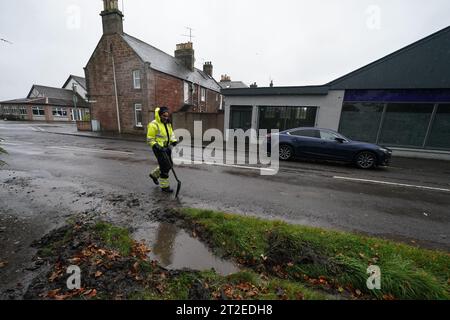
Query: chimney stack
{"points": [[225, 78], [112, 17], [185, 54], [208, 68]]}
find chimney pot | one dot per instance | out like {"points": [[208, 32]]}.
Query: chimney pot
{"points": [[186, 55], [112, 17], [208, 68]]}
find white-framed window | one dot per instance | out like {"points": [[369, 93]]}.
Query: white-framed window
{"points": [[23, 111], [38, 111], [6, 110], [221, 102], [138, 114], [186, 92], [203, 95], [59, 112], [137, 79]]}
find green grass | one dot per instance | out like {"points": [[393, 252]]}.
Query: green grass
{"points": [[341, 258], [115, 237]]}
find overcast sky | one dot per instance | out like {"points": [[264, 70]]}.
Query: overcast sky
{"points": [[292, 42]]}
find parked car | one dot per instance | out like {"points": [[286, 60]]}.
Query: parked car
{"points": [[325, 144]]}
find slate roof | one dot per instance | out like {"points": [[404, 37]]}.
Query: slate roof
{"points": [[421, 65], [80, 80], [51, 96], [232, 84], [168, 64], [277, 91]]}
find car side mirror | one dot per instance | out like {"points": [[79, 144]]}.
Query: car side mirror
{"points": [[340, 140]]}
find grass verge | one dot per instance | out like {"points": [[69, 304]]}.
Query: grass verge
{"points": [[337, 261]]}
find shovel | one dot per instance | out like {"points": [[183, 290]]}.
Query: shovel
{"points": [[174, 174]]}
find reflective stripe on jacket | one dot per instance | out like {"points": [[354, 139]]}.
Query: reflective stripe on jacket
{"points": [[157, 133]]}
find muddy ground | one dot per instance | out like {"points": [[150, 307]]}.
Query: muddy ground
{"points": [[33, 205]]}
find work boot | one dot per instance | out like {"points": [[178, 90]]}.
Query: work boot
{"points": [[155, 179], [167, 190]]}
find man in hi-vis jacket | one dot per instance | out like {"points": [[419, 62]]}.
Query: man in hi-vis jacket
{"points": [[161, 138]]}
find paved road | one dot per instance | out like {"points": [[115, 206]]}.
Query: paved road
{"points": [[408, 201]]}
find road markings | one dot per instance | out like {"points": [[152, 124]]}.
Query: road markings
{"points": [[224, 165], [392, 184], [9, 144], [76, 149]]}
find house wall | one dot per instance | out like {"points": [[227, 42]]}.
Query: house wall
{"points": [[101, 89], [157, 88], [328, 114]]}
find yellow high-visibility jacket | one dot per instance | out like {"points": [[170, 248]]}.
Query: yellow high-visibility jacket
{"points": [[157, 133]]}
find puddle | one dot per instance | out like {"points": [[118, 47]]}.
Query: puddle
{"points": [[175, 249]]}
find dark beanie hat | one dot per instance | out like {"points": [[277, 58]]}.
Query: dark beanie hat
{"points": [[163, 110]]}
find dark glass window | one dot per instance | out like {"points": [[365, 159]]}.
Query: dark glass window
{"points": [[284, 118], [241, 117], [38, 111], [440, 132], [306, 133], [406, 124], [361, 121], [326, 135]]}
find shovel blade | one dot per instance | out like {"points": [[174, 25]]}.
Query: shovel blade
{"points": [[178, 189]]}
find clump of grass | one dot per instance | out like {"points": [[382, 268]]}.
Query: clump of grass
{"points": [[115, 237], [341, 258]]}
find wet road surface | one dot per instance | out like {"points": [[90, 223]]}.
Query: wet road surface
{"points": [[316, 194]]}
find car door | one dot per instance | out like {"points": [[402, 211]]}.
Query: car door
{"points": [[329, 147], [305, 141]]}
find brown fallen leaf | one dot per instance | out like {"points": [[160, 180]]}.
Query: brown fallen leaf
{"points": [[98, 274], [3, 264], [160, 288], [75, 260], [300, 296], [55, 275], [98, 262], [51, 294], [90, 293]]}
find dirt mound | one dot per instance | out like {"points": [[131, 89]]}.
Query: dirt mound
{"points": [[106, 273]]}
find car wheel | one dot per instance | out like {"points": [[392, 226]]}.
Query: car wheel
{"points": [[366, 160], [286, 152]]}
